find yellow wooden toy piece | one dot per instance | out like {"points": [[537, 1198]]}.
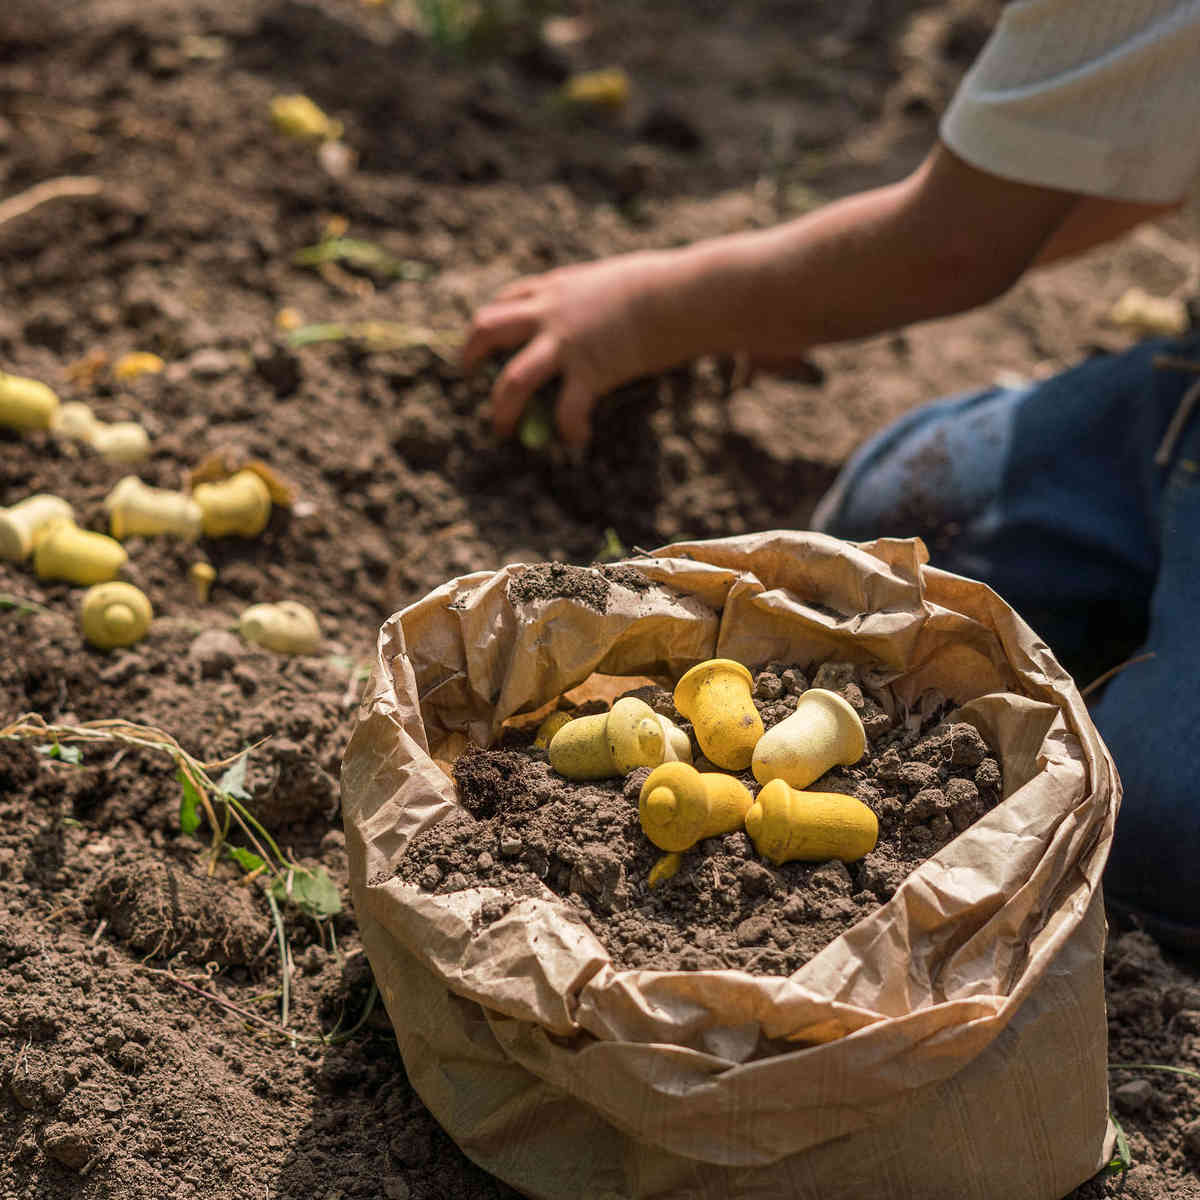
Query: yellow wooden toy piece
{"points": [[679, 806], [77, 555], [75, 420], [666, 868], [135, 363], [631, 734], [549, 727], [298, 117], [114, 614], [823, 732], [787, 825], [137, 510], [23, 525], [608, 89], [201, 575], [121, 441], [288, 627], [238, 506], [716, 697], [26, 403]]}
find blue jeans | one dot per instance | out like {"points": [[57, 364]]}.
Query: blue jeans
{"points": [[1078, 500]]}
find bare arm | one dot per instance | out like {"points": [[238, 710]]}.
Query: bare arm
{"points": [[1093, 221], [945, 239]]}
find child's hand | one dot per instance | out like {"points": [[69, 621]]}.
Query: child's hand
{"points": [[587, 324]]}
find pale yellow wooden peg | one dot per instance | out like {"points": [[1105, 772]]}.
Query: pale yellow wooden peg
{"points": [[137, 510], [25, 523], [288, 627]]}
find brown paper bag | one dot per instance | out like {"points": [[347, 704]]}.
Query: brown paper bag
{"points": [[951, 1045]]}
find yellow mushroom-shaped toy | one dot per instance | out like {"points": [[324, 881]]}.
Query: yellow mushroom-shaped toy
{"points": [[549, 727], [77, 555], [787, 825], [716, 697], [114, 614], [202, 576], [238, 506], [823, 732], [137, 510], [26, 403], [678, 806], [631, 734], [24, 524], [288, 627]]}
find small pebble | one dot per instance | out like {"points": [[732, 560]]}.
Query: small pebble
{"points": [[1134, 1096]]}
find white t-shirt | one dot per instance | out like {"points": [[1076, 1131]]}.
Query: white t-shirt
{"points": [[1094, 96]]}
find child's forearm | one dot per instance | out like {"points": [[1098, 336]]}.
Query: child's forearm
{"points": [[944, 240]]}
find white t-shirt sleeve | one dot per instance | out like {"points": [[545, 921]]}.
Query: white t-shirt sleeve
{"points": [[1094, 96]]}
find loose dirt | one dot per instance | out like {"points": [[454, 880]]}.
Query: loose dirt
{"points": [[142, 1047]]}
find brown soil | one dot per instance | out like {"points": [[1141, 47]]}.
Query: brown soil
{"points": [[525, 829], [141, 1053]]}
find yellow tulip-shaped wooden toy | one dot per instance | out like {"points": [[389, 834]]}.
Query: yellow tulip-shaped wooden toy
{"points": [[679, 806], [288, 627], [78, 555], [716, 697], [114, 614], [787, 825], [631, 734], [137, 510], [26, 523], [26, 403], [239, 506], [823, 732]]}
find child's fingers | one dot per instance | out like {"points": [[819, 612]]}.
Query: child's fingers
{"points": [[574, 412], [496, 327], [523, 375], [519, 289]]}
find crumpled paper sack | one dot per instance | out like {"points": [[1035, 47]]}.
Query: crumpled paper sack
{"points": [[952, 1045]]}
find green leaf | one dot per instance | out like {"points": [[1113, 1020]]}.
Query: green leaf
{"points": [[20, 605], [246, 859], [324, 331], [613, 547], [233, 782], [360, 253], [189, 805], [1122, 1159], [67, 754], [536, 428], [312, 892]]}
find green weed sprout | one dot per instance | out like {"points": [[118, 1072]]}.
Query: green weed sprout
{"points": [[310, 890]]}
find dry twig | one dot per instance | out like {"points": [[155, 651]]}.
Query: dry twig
{"points": [[51, 189]]}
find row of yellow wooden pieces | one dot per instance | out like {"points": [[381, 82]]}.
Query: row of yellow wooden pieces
{"points": [[29, 404], [114, 613], [679, 806]]}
